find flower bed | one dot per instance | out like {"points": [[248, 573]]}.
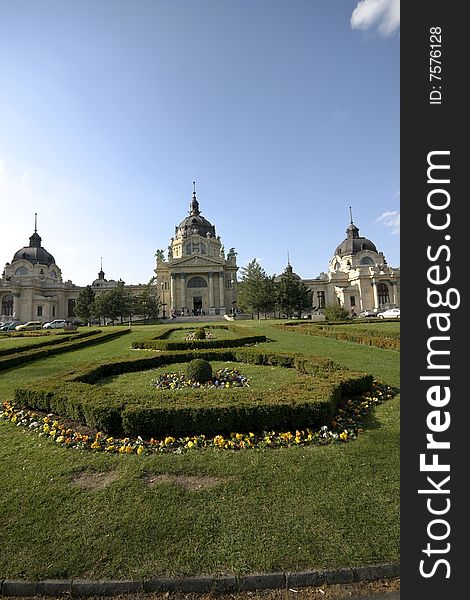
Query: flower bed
{"points": [[346, 425], [222, 378]]}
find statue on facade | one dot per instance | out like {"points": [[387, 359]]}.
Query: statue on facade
{"points": [[160, 255]]}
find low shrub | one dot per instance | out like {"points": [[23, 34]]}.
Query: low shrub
{"points": [[199, 370], [200, 333]]}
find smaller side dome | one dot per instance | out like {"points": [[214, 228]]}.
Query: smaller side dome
{"points": [[354, 243]]}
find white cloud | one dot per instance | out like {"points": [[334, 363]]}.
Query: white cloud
{"points": [[390, 219], [383, 15]]}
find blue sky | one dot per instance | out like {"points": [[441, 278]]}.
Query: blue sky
{"points": [[285, 112]]}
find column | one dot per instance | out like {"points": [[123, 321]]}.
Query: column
{"points": [[221, 294], [172, 291], [376, 296], [394, 293], [15, 305], [211, 294], [183, 292]]}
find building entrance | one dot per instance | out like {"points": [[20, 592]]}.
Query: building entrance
{"points": [[197, 305]]}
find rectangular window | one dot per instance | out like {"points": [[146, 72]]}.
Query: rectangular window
{"points": [[53, 311], [39, 311], [352, 300], [321, 299]]}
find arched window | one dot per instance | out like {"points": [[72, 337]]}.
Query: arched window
{"points": [[53, 274], [188, 248], [7, 305], [22, 271], [367, 261], [197, 282], [382, 290]]}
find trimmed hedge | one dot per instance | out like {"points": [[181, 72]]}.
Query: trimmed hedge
{"points": [[9, 361], [57, 339], [159, 341], [344, 331], [308, 403]]}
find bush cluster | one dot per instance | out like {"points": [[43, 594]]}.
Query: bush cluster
{"points": [[293, 406]]}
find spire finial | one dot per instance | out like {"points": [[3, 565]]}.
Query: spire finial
{"points": [[350, 215], [101, 262], [288, 259], [35, 222], [194, 206]]}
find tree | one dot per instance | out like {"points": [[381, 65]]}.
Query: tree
{"points": [[84, 306], [147, 303], [335, 312], [293, 296], [114, 303], [255, 288]]}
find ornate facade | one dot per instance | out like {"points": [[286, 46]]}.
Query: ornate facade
{"points": [[197, 278], [358, 277], [31, 286]]}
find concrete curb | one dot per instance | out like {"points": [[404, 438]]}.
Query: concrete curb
{"points": [[204, 583]]}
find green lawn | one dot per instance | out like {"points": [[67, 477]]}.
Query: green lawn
{"points": [[264, 510]]}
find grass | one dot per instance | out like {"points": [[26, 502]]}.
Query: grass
{"points": [[286, 509]]}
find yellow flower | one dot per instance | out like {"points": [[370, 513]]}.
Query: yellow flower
{"points": [[140, 450], [343, 435], [110, 440], [60, 439], [190, 444], [95, 445], [169, 440], [110, 448], [239, 436]]}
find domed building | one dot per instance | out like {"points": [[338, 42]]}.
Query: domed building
{"points": [[358, 277], [31, 286], [197, 278]]}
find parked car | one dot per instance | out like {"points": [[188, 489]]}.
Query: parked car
{"points": [[368, 313], [9, 326], [55, 324], [391, 313], [29, 326]]}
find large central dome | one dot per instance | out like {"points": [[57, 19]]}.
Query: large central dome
{"points": [[35, 253], [194, 223]]}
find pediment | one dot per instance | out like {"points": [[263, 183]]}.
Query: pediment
{"points": [[199, 262]]}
